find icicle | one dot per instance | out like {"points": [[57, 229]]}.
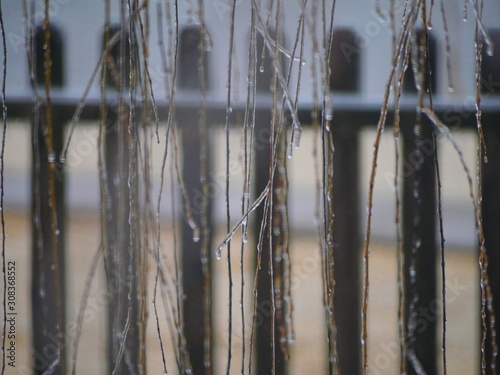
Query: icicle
{"points": [[196, 234], [465, 10], [51, 157], [218, 252], [379, 12], [207, 42]]}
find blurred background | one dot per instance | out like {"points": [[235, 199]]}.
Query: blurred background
{"points": [[80, 27]]}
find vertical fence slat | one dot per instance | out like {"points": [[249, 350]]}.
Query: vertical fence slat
{"points": [[491, 225], [121, 257], [192, 271], [47, 288], [347, 251], [419, 232], [263, 330], [193, 62]]}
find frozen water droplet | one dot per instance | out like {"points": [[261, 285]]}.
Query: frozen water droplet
{"points": [[208, 42], [230, 109], [296, 140], [451, 88], [328, 113], [261, 69], [57, 232], [289, 152], [51, 157], [62, 160], [490, 50], [218, 252], [245, 237], [412, 272], [196, 234]]}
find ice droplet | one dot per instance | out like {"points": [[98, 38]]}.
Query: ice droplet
{"points": [[490, 50], [328, 113], [196, 234], [208, 42], [218, 252], [51, 157], [62, 160], [261, 69], [289, 152], [296, 140]]}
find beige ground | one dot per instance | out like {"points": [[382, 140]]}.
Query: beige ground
{"points": [[308, 354]]}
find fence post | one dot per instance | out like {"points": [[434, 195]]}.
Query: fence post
{"points": [[346, 247], [491, 220], [197, 324], [125, 355], [48, 281], [263, 329], [420, 248]]}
